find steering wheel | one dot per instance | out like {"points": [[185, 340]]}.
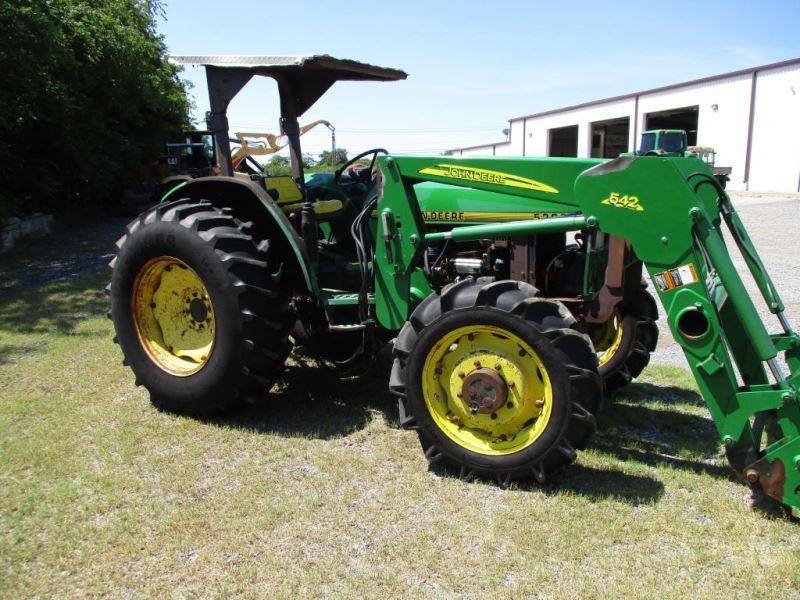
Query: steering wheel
{"points": [[368, 172]]}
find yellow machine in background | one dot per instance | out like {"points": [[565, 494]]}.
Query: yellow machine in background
{"points": [[264, 144]]}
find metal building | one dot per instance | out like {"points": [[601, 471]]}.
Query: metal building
{"points": [[750, 117]]}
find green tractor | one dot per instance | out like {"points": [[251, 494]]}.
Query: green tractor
{"points": [[674, 142], [187, 159], [664, 142], [511, 288]]}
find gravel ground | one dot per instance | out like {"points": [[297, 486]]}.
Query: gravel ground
{"points": [[773, 222]]}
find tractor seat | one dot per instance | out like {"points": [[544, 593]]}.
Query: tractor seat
{"points": [[289, 198]]}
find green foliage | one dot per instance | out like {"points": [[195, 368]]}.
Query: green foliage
{"points": [[87, 98], [278, 164], [308, 160], [339, 158]]}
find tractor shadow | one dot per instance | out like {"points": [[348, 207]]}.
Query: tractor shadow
{"points": [[645, 426], [640, 391], [314, 402], [577, 479]]}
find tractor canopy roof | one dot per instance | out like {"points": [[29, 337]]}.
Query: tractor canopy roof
{"points": [[306, 77], [301, 79], [265, 64]]}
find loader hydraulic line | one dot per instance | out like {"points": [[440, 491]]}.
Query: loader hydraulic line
{"points": [[475, 232], [670, 210]]}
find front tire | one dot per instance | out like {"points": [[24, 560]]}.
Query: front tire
{"points": [[198, 306], [495, 381]]}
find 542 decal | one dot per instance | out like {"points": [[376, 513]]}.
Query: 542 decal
{"points": [[623, 201]]}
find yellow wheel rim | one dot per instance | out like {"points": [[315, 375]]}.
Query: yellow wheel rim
{"points": [[607, 339], [498, 365], [173, 316]]}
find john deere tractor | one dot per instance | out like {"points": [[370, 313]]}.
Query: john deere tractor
{"points": [[674, 142], [512, 289]]}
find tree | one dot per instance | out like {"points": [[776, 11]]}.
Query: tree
{"points": [[278, 164], [88, 97], [339, 158], [308, 160]]}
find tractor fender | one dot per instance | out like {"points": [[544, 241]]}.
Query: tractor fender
{"points": [[252, 203]]}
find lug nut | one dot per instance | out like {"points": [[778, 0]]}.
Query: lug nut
{"points": [[540, 403], [462, 375], [477, 363], [751, 475], [511, 384], [497, 367]]}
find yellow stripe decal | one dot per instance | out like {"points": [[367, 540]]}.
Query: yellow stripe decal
{"points": [[484, 217], [486, 176]]}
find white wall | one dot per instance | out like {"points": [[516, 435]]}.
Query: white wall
{"points": [[775, 158], [725, 129], [537, 129], [775, 155]]}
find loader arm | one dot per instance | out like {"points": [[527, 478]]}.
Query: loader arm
{"points": [[671, 210]]}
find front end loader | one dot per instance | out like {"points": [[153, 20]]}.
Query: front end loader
{"points": [[512, 289]]}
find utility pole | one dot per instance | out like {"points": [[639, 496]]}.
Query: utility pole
{"points": [[333, 142]]}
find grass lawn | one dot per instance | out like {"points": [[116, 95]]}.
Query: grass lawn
{"points": [[316, 492]]}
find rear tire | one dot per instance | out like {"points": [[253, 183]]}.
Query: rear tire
{"points": [[543, 331], [248, 307], [637, 340]]}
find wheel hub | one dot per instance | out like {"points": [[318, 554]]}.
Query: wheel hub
{"points": [[198, 309], [484, 391], [487, 389], [173, 316], [607, 338]]}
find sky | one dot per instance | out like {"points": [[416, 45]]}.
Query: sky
{"points": [[472, 65]]}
